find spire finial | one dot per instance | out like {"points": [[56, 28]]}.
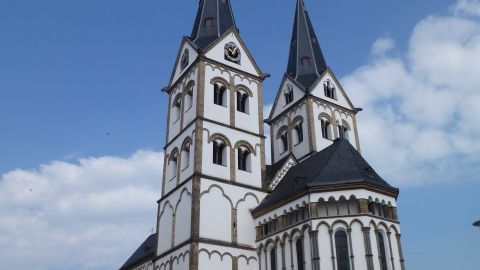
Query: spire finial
{"points": [[306, 61], [214, 18]]}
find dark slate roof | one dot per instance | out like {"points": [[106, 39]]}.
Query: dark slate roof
{"points": [[220, 11], [304, 44], [340, 163], [146, 250]]}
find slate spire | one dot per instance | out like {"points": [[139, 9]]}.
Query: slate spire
{"points": [[306, 61], [214, 18]]}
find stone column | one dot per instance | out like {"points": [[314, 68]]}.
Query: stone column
{"points": [[391, 251], [284, 265], [290, 241], [352, 256], [265, 251], [368, 247], [331, 248], [363, 206], [259, 254], [400, 251], [313, 210], [315, 250]]}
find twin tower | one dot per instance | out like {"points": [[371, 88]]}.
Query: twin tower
{"points": [[319, 205]]}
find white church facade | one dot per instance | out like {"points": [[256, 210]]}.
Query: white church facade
{"points": [[319, 205]]}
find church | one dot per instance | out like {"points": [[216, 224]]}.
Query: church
{"points": [[319, 205]]}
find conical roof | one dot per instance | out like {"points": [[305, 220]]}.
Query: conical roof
{"points": [[214, 18], [306, 62]]}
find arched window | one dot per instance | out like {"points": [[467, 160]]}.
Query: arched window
{"points": [[326, 129], [209, 22], [298, 132], [172, 164], [383, 256], [329, 90], [273, 259], [189, 97], [299, 246], [176, 108], [185, 157], [219, 153], [344, 131], [242, 102], [341, 248], [219, 94], [244, 159], [288, 94], [283, 140]]}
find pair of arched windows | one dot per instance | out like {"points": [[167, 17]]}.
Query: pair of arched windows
{"points": [[283, 135], [187, 99], [220, 97], [327, 129], [288, 93], [329, 90], [244, 156], [173, 160]]}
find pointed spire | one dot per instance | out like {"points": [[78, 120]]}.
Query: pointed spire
{"points": [[306, 61], [214, 18]]}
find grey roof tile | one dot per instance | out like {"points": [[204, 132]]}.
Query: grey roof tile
{"points": [[146, 250], [340, 163]]}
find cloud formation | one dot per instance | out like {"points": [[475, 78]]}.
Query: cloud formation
{"points": [[420, 122], [88, 215]]}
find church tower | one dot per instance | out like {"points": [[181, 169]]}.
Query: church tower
{"points": [[214, 153], [311, 108]]}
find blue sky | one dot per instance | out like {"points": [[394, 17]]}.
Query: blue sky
{"points": [[80, 92]]}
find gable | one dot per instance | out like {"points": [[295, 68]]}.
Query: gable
{"points": [[280, 104], [289, 163], [341, 97], [216, 52], [192, 55]]}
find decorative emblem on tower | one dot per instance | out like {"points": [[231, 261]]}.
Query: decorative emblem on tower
{"points": [[185, 58], [232, 53]]}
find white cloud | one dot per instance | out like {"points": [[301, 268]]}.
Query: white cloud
{"points": [[89, 215], [382, 46], [420, 122], [468, 7]]}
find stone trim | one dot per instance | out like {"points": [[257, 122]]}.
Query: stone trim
{"points": [[311, 127], [352, 255], [368, 247], [390, 248], [400, 251], [315, 250]]}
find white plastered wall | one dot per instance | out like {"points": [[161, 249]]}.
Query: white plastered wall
{"points": [[281, 105], [179, 260], [193, 55], [177, 202], [213, 257], [216, 204], [318, 91]]}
